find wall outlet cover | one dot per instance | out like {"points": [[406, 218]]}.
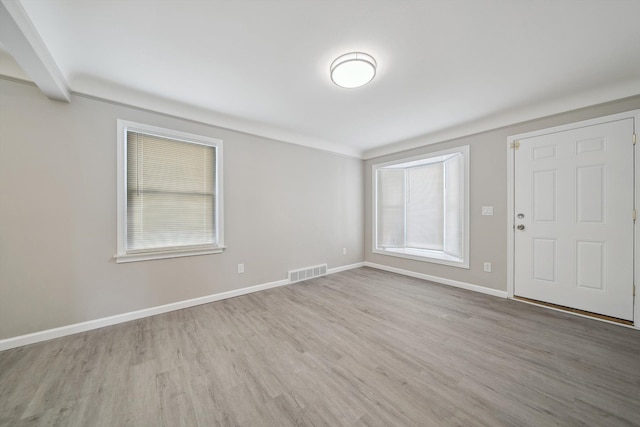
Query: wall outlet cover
{"points": [[487, 210]]}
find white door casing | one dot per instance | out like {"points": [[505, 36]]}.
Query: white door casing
{"points": [[575, 190]]}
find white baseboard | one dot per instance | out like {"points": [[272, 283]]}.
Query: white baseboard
{"points": [[62, 331], [457, 284], [345, 267], [89, 325]]}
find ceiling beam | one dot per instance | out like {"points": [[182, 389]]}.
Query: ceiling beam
{"points": [[20, 37]]}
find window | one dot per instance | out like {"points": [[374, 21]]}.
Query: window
{"points": [[169, 193], [421, 207]]}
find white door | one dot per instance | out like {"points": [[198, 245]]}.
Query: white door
{"points": [[574, 204]]}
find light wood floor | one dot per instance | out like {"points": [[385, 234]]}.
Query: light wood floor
{"points": [[357, 348]]}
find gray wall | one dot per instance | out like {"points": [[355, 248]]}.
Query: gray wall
{"points": [[286, 206], [488, 181]]}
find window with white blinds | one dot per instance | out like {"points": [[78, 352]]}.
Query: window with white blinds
{"points": [[169, 194], [421, 207]]}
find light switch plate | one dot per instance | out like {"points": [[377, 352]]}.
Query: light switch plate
{"points": [[487, 210]]}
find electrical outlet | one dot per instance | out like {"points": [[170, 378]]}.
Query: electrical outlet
{"points": [[240, 268], [487, 267], [344, 251]]}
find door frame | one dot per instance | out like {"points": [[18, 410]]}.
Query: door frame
{"points": [[634, 114]]}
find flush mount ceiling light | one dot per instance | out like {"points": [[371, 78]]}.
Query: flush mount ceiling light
{"points": [[353, 69]]}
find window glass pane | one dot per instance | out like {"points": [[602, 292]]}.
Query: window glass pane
{"points": [[170, 193], [425, 207], [454, 206], [390, 213]]}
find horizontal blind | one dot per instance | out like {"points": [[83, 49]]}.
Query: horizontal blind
{"points": [[170, 194]]}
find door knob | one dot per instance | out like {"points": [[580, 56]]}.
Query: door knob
{"points": [[520, 227]]}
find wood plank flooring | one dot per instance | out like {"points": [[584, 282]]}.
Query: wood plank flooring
{"points": [[358, 348]]}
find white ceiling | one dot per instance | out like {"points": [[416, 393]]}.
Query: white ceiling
{"points": [[445, 67]]}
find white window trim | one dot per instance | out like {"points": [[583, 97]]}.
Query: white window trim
{"points": [[122, 255], [429, 256]]}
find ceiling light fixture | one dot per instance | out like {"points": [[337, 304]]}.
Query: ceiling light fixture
{"points": [[353, 70]]}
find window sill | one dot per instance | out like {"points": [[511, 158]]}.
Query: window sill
{"points": [[424, 255], [148, 256]]}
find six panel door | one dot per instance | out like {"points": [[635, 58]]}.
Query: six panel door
{"points": [[574, 201]]}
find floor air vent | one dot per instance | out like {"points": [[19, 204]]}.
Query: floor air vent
{"points": [[307, 273]]}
